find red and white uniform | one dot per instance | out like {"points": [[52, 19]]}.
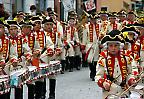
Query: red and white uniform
{"points": [[104, 27], [116, 67], [71, 38], [113, 26], [91, 41]]}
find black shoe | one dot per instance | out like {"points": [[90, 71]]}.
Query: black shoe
{"points": [[51, 97], [62, 72], [71, 70], [78, 68], [92, 79]]}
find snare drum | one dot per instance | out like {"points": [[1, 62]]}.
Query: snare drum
{"points": [[56, 66], [4, 84], [44, 69], [136, 95], [112, 96], [19, 77], [34, 73]]}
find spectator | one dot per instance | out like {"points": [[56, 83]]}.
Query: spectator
{"points": [[33, 10], [3, 13]]}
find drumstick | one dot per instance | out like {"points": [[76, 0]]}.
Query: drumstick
{"points": [[131, 85]]}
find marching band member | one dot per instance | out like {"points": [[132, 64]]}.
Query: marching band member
{"points": [[22, 50], [40, 84], [53, 42], [26, 30], [19, 17], [113, 25], [140, 27], [130, 19], [72, 42], [114, 66], [92, 45], [132, 36], [57, 27], [121, 17], [104, 23], [3, 72], [7, 52], [63, 60]]}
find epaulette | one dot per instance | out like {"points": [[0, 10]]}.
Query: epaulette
{"points": [[101, 62], [103, 54]]}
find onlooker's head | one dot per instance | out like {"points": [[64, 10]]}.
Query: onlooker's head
{"points": [[32, 7], [1, 7]]}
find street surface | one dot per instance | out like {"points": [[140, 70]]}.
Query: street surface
{"points": [[74, 85]]}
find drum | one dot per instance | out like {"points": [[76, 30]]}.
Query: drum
{"points": [[33, 72], [4, 84], [136, 95], [19, 77], [56, 66], [45, 69], [114, 96]]}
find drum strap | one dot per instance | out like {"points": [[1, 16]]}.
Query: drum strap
{"points": [[8, 53], [124, 80], [44, 49], [108, 73]]}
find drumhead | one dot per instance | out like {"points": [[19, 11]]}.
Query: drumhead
{"points": [[3, 76], [135, 95], [43, 65], [32, 68], [54, 62], [18, 72], [112, 96]]}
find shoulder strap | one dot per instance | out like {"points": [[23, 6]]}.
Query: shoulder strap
{"points": [[108, 73]]}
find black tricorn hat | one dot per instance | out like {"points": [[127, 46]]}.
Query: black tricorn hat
{"points": [[113, 14], [114, 35], [94, 16], [34, 18], [22, 24], [103, 12], [131, 12], [138, 25], [130, 29], [48, 20], [12, 23], [122, 13]]}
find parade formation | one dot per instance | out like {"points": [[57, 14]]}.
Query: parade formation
{"points": [[34, 48]]}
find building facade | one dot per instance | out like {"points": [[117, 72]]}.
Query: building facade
{"points": [[114, 5]]}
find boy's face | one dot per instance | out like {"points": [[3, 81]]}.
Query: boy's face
{"points": [[141, 30], [26, 30], [37, 25], [13, 30], [103, 17], [48, 26], [112, 19], [130, 36], [131, 17], [113, 48], [71, 22]]}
